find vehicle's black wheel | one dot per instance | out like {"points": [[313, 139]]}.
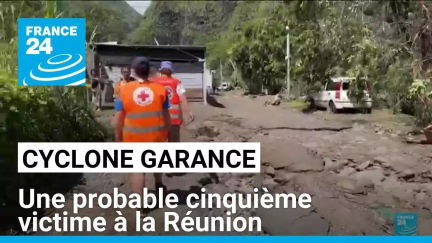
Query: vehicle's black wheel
{"points": [[332, 107], [369, 110]]}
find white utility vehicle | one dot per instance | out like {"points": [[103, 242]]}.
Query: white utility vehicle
{"points": [[334, 96], [224, 86]]}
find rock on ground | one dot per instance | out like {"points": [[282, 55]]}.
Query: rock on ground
{"points": [[269, 171], [334, 165], [369, 177], [364, 165], [351, 186]]}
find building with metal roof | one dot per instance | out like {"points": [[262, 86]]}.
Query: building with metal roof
{"points": [[188, 62]]}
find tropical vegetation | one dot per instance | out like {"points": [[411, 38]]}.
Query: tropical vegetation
{"points": [[39, 114], [386, 42]]}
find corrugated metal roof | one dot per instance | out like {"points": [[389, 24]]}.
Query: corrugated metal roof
{"points": [[121, 54], [181, 47], [107, 43]]}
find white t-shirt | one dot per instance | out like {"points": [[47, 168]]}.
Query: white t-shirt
{"points": [[180, 89]]}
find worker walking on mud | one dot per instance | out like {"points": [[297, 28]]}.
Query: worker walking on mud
{"points": [[142, 116], [177, 98]]}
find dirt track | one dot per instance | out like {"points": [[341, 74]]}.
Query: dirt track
{"points": [[357, 176]]}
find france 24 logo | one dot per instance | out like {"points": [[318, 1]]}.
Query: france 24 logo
{"points": [[51, 51]]}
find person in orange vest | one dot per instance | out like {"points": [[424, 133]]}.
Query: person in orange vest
{"points": [[142, 116], [126, 72], [177, 98]]}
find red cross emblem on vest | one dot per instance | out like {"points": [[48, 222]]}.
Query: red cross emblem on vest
{"points": [[143, 96], [169, 92]]}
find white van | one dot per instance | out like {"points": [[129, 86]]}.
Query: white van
{"points": [[224, 86], [335, 96]]}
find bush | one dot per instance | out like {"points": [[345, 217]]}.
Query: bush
{"points": [[39, 114]]}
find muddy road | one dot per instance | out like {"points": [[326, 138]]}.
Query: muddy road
{"points": [[357, 173]]}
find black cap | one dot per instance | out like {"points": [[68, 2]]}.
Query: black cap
{"points": [[140, 61], [141, 65]]}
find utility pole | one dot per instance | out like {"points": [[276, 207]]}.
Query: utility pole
{"points": [[221, 72], [288, 63]]}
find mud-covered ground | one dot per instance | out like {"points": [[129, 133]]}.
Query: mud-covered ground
{"points": [[356, 167]]}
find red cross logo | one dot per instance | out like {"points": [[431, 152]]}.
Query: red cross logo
{"points": [[169, 92], [143, 96]]}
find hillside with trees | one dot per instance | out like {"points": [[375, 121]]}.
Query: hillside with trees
{"points": [[183, 22], [386, 42], [113, 20]]}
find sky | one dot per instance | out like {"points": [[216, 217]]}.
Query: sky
{"points": [[139, 6]]}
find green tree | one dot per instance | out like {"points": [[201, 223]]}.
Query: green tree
{"points": [[35, 114], [108, 23]]}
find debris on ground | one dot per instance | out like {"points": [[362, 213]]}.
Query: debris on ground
{"points": [[275, 102], [208, 129], [344, 170]]}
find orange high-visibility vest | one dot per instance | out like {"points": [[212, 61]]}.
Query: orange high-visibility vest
{"points": [[170, 84], [143, 105], [118, 86]]}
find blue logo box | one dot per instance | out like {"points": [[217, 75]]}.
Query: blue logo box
{"points": [[51, 51], [405, 223]]}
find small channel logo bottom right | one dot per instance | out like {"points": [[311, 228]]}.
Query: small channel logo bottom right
{"points": [[405, 224]]}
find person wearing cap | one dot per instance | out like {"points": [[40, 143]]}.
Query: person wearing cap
{"points": [[177, 98], [126, 73], [142, 115]]}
